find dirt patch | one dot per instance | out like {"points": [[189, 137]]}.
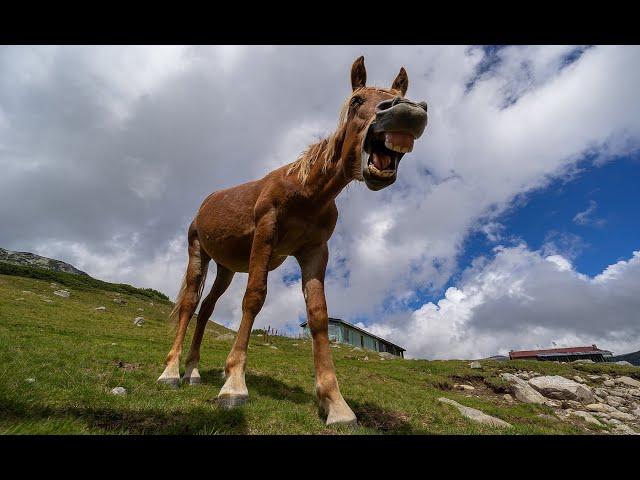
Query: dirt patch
{"points": [[127, 367], [383, 420]]}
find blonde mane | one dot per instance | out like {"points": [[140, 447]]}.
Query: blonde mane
{"points": [[326, 148]]}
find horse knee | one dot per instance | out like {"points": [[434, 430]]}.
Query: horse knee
{"points": [[254, 300]]}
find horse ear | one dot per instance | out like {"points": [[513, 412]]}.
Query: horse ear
{"points": [[358, 74], [401, 82]]}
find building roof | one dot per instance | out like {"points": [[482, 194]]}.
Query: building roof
{"points": [[339, 320], [590, 350]]}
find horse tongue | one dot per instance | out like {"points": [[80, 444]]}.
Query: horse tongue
{"points": [[381, 161]]}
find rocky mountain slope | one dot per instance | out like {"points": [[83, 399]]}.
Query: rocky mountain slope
{"points": [[33, 260]]}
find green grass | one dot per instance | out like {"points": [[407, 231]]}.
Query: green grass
{"points": [[77, 355]]}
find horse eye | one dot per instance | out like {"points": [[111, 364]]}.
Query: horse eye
{"points": [[355, 101]]}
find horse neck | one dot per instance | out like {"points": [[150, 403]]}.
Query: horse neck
{"points": [[325, 184]]}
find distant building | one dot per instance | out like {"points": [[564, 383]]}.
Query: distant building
{"points": [[568, 354], [344, 332]]}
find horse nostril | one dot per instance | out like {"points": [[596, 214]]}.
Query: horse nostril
{"points": [[423, 105], [396, 101]]}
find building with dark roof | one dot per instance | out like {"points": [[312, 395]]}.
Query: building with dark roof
{"points": [[567, 354], [341, 331]]}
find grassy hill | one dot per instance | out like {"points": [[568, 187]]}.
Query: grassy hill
{"points": [[60, 359]]}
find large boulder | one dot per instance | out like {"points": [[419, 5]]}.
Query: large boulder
{"points": [[522, 390], [628, 381], [560, 388]]}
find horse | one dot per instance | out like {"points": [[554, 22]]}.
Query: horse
{"points": [[255, 226]]}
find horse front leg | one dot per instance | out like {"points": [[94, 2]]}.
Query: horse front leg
{"points": [[234, 392], [313, 264]]}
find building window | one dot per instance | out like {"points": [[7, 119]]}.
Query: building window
{"points": [[362, 341], [346, 335]]}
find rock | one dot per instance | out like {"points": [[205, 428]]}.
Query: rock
{"points": [[594, 377], [138, 321], [571, 404], [546, 416], [586, 416], [622, 416], [294, 344], [382, 359], [62, 293], [356, 349], [522, 390], [120, 301], [560, 388], [119, 391], [30, 380], [47, 300], [579, 379], [597, 407], [387, 355], [615, 401], [636, 412], [141, 309], [366, 358], [630, 382], [101, 309], [622, 429], [609, 383], [464, 387], [475, 364], [18, 299], [624, 362], [274, 347], [113, 344], [585, 360], [601, 392], [508, 397], [226, 336], [475, 415]]}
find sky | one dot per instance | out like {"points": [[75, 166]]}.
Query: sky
{"points": [[512, 224]]}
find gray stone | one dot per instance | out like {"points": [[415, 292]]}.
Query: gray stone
{"points": [[597, 407], [366, 358], [585, 360], [624, 362], [622, 429], [101, 309], [120, 301], [615, 401], [601, 392], [579, 379], [476, 415], [226, 336], [630, 382], [138, 321], [622, 416], [636, 412], [560, 388], [586, 416], [62, 293], [522, 390], [274, 347], [119, 391], [465, 387], [609, 383], [594, 377], [141, 309], [475, 364], [508, 397], [30, 380]]}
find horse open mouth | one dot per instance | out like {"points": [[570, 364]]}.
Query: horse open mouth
{"points": [[381, 155]]}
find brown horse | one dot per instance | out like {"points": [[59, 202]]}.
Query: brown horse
{"points": [[255, 226]]}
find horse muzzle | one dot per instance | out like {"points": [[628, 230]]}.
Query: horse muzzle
{"points": [[398, 122]]}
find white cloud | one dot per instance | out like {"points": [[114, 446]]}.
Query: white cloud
{"points": [[522, 299], [585, 217]]}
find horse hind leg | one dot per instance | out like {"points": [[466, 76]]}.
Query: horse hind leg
{"points": [[220, 285], [186, 304]]}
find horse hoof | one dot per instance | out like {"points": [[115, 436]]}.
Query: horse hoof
{"points": [[191, 380], [350, 421], [171, 381], [228, 402]]}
